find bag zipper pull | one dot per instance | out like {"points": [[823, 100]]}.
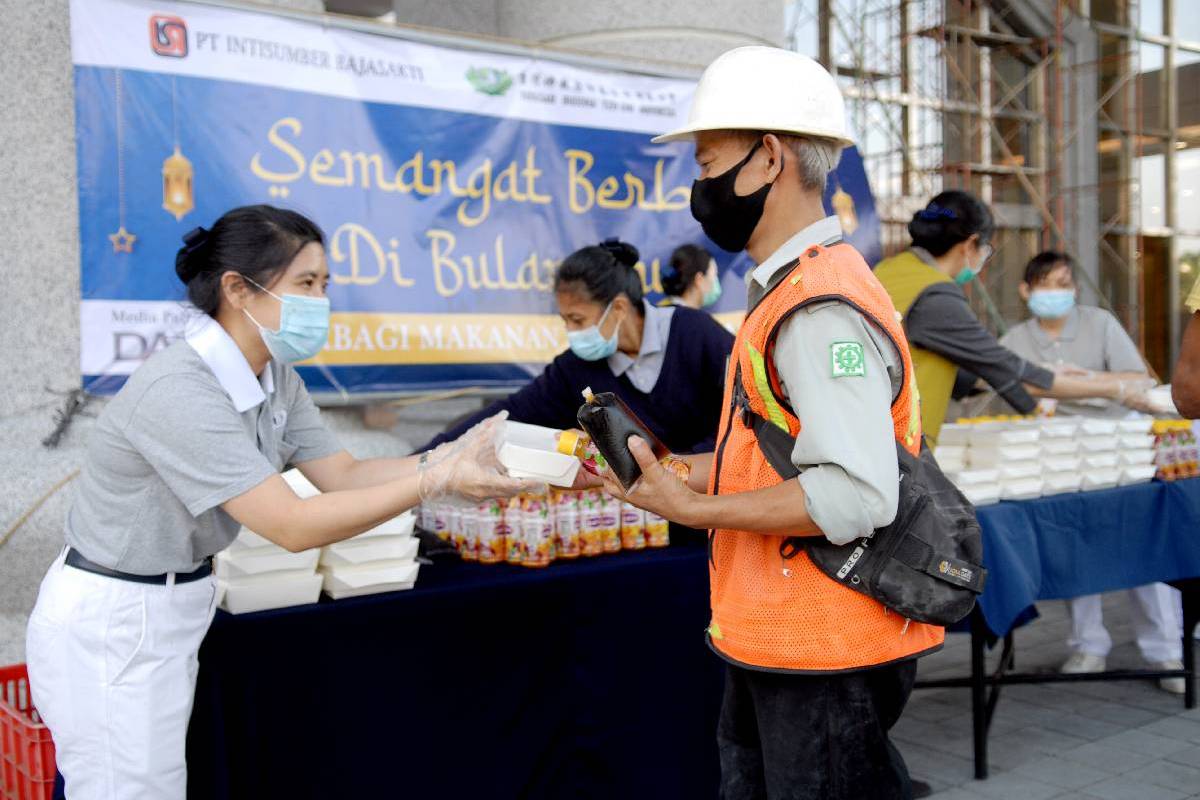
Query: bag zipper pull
{"points": [[904, 630]]}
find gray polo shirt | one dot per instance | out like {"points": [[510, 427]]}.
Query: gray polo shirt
{"points": [[846, 450], [192, 428], [643, 371], [1092, 339]]}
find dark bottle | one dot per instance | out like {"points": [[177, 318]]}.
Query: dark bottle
{"points": [[610, 424]]}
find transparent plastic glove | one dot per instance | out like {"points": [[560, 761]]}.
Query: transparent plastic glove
{"points": [[469, 468], [1132, 394]]}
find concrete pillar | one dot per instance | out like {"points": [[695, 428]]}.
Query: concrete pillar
{"points": [[659, 30]]}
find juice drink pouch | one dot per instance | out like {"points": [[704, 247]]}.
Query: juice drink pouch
{"points": [[490, 530], [591, 520], [633, 527], [658, 531], [538, 532], [610, 424], [566, 531]]}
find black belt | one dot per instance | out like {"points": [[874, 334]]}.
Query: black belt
{"points": [[75, 559]]}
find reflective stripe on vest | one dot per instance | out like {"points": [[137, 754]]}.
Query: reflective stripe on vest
{"points": [[777, 613]]}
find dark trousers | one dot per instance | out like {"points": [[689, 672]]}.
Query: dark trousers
{"points": [[813, 737]]}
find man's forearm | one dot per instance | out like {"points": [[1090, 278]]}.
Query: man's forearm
{"points": [[778, 510]]}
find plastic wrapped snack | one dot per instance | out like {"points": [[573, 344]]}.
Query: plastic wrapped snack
{"points": [[633, 527], [658, 530], [610, 424]]}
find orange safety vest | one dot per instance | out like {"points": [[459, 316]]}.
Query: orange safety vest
{"points": [[777, 613]]}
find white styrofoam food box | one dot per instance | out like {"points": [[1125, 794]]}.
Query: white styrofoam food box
{"points": [[1097, 427], [976, 477], [350, 554], [1025, 489], [1136, 458], [954, 434], [989, 436], [1003, 454], [1059, 429], [1054, 464], [1020, 470], [1139, 474], [1060, 447], [1142, 425], [950, 452], [402, 525], [374, 579], [555, 469], [983, 494], [1062, 482], [1101, 479], [265, 560], [1134, 441], [1097, 444], [1100, 461], [249, 540], [243, 597], [300, 484]]}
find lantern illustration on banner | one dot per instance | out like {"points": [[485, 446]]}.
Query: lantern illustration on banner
{"points": [[843, 206], [178, 192], [177, 185]]}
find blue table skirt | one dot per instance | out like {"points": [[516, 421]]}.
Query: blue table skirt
{"points": [[1087, 542], [588, 679]]}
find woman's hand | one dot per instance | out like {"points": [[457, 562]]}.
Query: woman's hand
{"points": [[470, 468], [659, 490]]}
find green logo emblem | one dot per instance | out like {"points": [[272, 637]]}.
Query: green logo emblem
{"points": [[490, 81], [847, 360]]}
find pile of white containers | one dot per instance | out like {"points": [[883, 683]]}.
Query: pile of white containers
{"points": [[1022, 459], [254, 574]]}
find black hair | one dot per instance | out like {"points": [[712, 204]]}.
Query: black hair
{"points": [[952, 217], [601, 272], [257, 242], [688, 261], [1046, 262]]}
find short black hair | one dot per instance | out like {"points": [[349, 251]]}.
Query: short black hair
{"points": [[686, 262], [1046, 262], [952, 217], [601, 272], [257, 242]]}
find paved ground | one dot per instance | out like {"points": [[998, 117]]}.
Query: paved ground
{"points": [[1123, 740]]}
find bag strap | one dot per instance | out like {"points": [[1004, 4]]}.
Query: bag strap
{"points": [[918, 555]]}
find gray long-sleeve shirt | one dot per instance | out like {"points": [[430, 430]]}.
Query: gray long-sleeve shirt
{"points": [[846, 450]]}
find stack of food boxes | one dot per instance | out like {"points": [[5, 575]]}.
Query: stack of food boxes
{"points": [[1026, 458], [255, 574]]}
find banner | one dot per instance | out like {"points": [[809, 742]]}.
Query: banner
{"points": [[449, 182]]}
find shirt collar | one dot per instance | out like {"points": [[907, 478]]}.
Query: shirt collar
{"points": [[652, 339], [924, 255], [217, 349], [819, 232], [1069, 332]]}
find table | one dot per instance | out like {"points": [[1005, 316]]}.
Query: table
{"points": [[587, 679], [1036, 550]]}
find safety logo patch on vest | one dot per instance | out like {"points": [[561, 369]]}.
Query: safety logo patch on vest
{"points": [[847, 360]]}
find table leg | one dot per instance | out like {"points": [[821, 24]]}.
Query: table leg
{"points": [[1191, 615], [979, 711]]}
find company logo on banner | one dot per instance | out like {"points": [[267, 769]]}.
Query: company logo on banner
{"points": [[168, 36], [449, 183]]}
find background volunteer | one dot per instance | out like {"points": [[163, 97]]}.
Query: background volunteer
{"points": [[667, 364], [816, 674], [1063, 334], [190, 449], [690, 278], [950, 246]]}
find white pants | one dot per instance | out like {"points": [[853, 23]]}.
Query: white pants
{"points": [[1157, 623], [112, 668]]}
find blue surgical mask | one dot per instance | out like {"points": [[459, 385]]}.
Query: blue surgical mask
{"points": [[1051, 303], [303, 327], [589, 344], [713, 293]]}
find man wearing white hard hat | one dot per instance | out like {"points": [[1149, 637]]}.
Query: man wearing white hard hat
{"points": [[817, 674]]}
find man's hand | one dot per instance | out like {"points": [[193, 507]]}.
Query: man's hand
{"points": [[658, 490]]}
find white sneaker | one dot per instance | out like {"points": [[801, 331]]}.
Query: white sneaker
{"points": [[1083, 662], [1172, 685]]}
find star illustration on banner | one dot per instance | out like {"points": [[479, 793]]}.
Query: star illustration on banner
{"points": [[122, 241]]}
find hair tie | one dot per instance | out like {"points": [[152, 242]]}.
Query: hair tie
{"points": [[193, 240], [934, 211], [622, 252]]}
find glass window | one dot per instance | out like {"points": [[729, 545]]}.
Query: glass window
{"points": [[1110, 11], [1187, 21], [1150, 191], [1187, 191], [1150, 16], [800, 22]]}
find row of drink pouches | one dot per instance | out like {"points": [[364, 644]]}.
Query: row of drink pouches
{"points": [[534, 530]]}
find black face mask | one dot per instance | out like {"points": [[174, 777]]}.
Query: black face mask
{"points": [[729, 218]]}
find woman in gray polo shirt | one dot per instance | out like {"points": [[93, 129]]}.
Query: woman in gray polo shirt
{"points": [[187, 452]]}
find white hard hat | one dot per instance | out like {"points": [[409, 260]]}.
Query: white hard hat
{"points": [[766, 89]]}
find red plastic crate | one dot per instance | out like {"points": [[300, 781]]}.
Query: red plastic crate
{"points": [[26, 750]]}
